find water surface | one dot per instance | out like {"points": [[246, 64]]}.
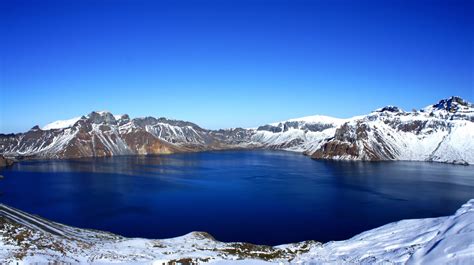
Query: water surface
{"points": [[265, 197]]}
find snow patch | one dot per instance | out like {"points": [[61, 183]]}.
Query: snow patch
{"points": [[61, 124]]}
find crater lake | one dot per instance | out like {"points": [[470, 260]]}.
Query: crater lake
{"points": [[262, 197]]}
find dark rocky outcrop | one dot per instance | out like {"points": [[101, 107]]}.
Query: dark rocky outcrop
{"points": [[5, 162]]}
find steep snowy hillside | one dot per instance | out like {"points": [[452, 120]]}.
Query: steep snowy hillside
{"points": [[25, 238], [303, 135], [442, 132], [61, 124]]}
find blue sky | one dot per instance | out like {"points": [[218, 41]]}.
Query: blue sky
{"points": [[229, 63]]}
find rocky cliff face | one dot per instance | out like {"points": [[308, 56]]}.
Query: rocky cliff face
{"points": [[441, 132]]}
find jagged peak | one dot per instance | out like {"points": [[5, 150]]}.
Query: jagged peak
{"points": [[94, 117], [389, 108], [101, 117], [452, 105], [105, 113], [100, 113], [122, 116]]}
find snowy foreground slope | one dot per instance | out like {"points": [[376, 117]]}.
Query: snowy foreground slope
{"points": [[442, 132], [445, 240]]}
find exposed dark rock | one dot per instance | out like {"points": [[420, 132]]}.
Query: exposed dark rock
{"points": [[390, 109], [99, 118], [270, 128], [5, 162], [451, 104], [334, 149]]}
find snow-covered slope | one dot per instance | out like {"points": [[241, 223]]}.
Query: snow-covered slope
{"points": [[442, 132], [445, 240], [61, 124], [302, 135]]}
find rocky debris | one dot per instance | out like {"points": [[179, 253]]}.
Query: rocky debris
{"points": [[5, 162]]}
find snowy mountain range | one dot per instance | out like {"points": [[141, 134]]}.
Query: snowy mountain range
{"points": [[29, 239], [442, 132]]}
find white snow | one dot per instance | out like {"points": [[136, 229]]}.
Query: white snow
{"points": [[61, 124], [314, 119], [118, 117], [442, 240], [458, 145], [454, 240]]}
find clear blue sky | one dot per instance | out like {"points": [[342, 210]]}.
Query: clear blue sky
{"points": [[229, 63]]}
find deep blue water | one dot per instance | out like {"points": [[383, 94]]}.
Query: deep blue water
{"points": [[265, 197]]}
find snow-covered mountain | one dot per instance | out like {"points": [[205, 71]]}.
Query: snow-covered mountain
{"points": [[303, 134], [105, 134], [442, 132], [29, 239]]}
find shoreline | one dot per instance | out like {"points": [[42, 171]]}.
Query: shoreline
{"points": [[26, 238]]}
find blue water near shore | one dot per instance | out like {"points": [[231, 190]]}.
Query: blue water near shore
{"points": [[264, 197]]}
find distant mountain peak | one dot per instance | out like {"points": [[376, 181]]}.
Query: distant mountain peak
{"points": [[102, 117], [389, 108], [454, 108], [452, 104]]}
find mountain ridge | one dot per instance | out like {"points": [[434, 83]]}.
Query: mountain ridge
{"points": [[441, 132]]}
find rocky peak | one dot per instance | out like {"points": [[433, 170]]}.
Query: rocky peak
{"points": [[142, 122], [102, 117], [452, 104], [389, 108], [123, 119]]}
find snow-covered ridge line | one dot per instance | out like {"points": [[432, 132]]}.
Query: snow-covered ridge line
{"points": [[442, 132], [61, 124], [25, 238], [314, 119]]}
